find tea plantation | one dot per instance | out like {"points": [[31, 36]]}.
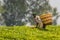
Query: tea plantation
{"points": [[27, 33]]}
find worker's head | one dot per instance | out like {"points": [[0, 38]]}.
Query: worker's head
{"points": [[34, 15]]}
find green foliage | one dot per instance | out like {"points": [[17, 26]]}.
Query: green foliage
{"points": [[27, 33], [45, 7], [2, 10], [54, 11]]}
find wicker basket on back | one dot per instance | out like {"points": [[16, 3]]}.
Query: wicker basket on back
{"points": [[46, 18]]}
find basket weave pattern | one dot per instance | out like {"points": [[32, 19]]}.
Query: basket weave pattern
{"points": [[46, 18]]}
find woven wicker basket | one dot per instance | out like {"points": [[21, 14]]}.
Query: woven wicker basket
{"points": [[46, 18]]}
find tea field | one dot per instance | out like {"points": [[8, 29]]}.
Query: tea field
{"points": [[27, 33]]}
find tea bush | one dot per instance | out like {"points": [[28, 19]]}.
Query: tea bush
{"points": [[27, 33]]}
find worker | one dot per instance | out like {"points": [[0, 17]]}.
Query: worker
{"points": [[38, 21]]}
